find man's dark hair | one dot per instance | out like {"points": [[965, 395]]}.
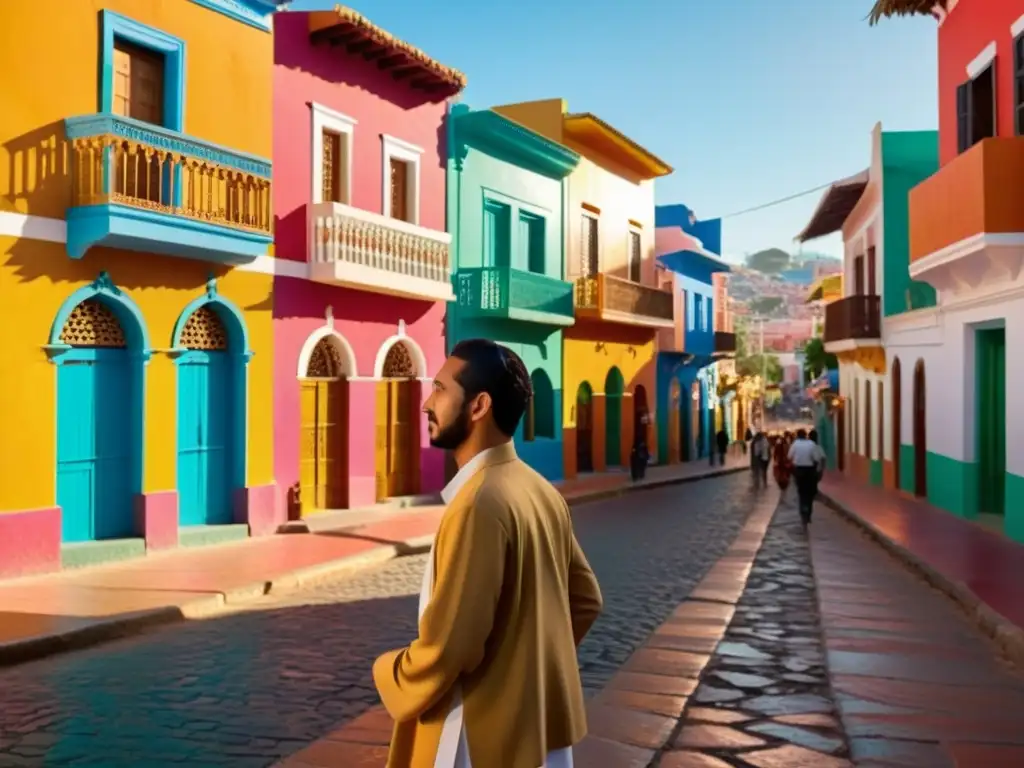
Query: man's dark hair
{"points": [[499, 372], [802, 434]]}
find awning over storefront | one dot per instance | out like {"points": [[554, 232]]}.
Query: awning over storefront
{"points": [[835, 206]]}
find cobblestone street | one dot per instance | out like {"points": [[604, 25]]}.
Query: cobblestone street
{"points": [[247, 688]]}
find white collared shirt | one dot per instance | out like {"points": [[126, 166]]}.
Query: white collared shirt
{"points": [[453, 750], [806, 453]]}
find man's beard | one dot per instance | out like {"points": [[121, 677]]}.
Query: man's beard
{"points": [[455, 434]]}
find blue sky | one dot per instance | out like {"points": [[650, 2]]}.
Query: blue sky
{"points": [[749, 100]]}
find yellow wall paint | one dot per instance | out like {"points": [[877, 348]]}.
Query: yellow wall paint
{"points": [[584, 361], [35, 279], [54, 47]]}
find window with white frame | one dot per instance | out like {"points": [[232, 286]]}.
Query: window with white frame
{"points": [[332, 155], [401, 179]]}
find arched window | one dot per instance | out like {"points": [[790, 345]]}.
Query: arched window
{"points": [[540, 414]]}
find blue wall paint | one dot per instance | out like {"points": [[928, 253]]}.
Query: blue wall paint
{"points": [[709, 232], [255, 13], [116, 26]]}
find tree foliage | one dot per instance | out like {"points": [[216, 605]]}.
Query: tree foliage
{"points": [[770, 261], [816, 359], [766, 305], [750, 365]]}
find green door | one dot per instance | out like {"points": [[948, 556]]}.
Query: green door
{"points": [[613, 388], [990, 396]]}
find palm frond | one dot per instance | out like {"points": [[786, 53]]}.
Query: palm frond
{"points": [[889, 8]]}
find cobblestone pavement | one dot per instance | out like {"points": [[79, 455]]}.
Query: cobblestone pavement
{"points": [[255, 685], [764, 698]]}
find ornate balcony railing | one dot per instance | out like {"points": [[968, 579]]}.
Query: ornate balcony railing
{"points": [[614, 298], [364, 249], [117, 160], [853, 317], [514, 293]]}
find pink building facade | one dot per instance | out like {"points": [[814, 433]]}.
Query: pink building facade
{"points": [[362, 271]]}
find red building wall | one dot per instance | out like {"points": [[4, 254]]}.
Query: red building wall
{"points": [[967, 30]]}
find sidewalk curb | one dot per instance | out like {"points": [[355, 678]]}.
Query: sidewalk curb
{"points": [[1007, 635], [209, 606]]}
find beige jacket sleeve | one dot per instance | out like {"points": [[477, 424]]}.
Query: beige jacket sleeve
{"points": [[585, 602], [469, 562]]}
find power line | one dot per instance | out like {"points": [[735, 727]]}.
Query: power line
{"points": [[779, 201]]}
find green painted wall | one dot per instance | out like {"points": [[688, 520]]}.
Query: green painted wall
{"points": [[478, 174], [952, 485], [1014, 520], [906, 481], [908, 158], [875, 473]]}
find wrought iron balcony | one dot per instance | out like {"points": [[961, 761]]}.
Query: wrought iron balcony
{"points": [[853, 318], [614, 299], [147, 188], [725, 343], [363, 250], [514, 294]]}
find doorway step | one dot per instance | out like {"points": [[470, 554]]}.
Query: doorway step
{"points": [[333, 519]]}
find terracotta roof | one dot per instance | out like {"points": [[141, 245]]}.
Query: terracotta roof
{"points": [[652, 165], [346, 26], [835, 205], [889, 8]]}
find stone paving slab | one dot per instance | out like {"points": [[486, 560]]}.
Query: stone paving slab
{"points": [[916, 682], [637, 713], [43, 615]]}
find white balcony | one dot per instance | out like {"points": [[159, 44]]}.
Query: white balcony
{"points": [[368, 252]]}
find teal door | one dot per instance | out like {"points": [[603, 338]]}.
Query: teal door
{"points": [[614, 385], [990, 396], [205, 431], [95, 457]]}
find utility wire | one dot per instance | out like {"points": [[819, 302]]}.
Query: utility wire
{"points": [[778, 202]]}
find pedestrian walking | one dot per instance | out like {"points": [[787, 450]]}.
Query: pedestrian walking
{"points": [[760, 457], [782, 469], [807, 459], [492, 677], [722, 444], [638, 460]]}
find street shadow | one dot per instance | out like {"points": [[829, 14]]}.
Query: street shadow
{"points": [[246, 688]]}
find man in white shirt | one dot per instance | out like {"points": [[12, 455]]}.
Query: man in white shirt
{"points": [[807, 460]]}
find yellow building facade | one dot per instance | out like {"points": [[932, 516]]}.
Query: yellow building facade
{"points": [[136, 347], [609, 354]]}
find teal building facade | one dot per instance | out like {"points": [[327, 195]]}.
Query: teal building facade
{"points": [[506, 215]]}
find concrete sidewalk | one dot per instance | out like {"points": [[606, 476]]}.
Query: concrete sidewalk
{"points": [[979, 569], [40, 616]]}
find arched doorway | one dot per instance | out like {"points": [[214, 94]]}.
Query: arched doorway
{"points": [[920, 432], [868, 425], [99, 418], [210, 385], [398, 406], [614, 386], [585, 428], [896, 386], [540, 413], [323, 392], [696, 430], [641, 414], [675, 448]]}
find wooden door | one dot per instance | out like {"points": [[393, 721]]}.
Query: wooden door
{"points": [[858, 276], [897, 419], [871, 287], [399, 171], [323, 461], [138, 94], [920, 432], [674, 432], [866, 418], [397, 444], [841, 418]]}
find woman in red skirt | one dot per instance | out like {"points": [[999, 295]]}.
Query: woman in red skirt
{"points": [[783, 469]]}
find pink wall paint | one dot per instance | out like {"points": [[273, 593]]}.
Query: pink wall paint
{"points": [[346, 83]]}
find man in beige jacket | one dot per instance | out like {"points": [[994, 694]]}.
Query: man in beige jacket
{"points": [[492, 680]]}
